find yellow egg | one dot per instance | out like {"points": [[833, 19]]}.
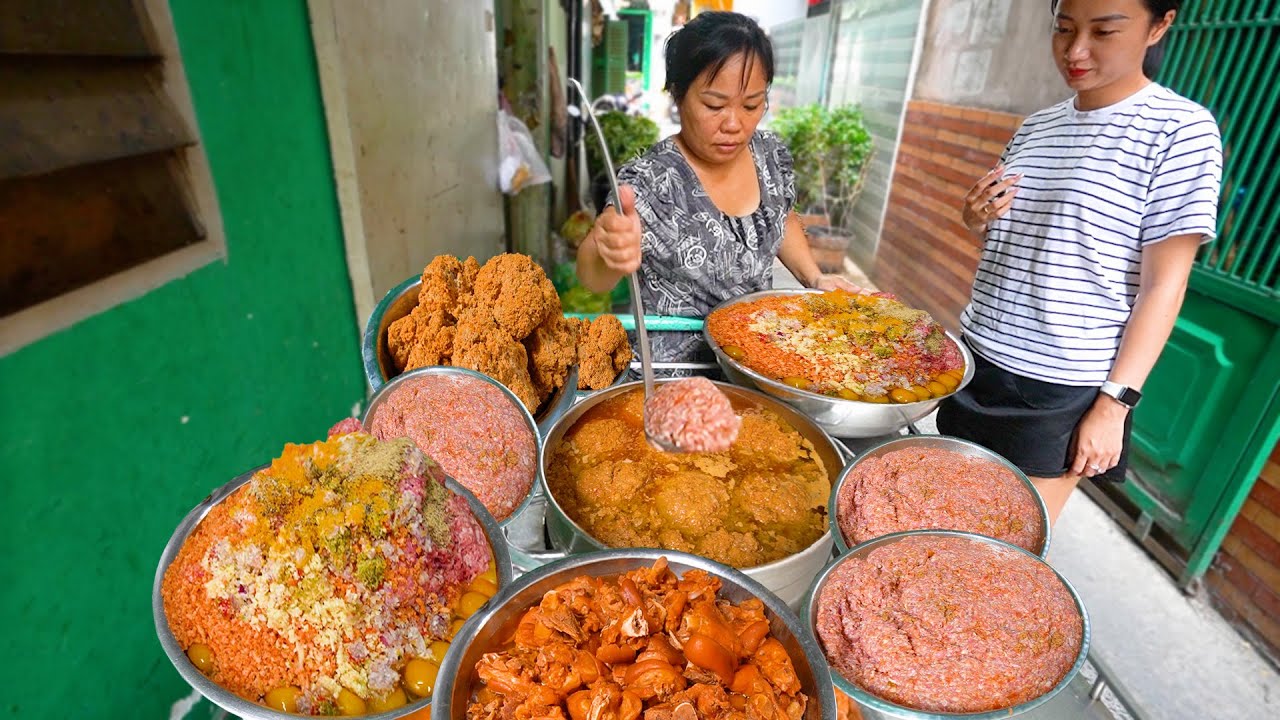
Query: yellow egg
{"points": [[921, 393], [902, 395], [735, 352], [420, 677], [454, 627], [847, 394], [490, 574], [437, 650], [396, 698], [948, 380], [202, 657], [880, 399], [284, 699], [937, 388], [350, 703], [469, 604], [796, 382], [484, 586]]}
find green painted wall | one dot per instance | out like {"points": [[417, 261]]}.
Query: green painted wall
{"points": [[112, 430]]}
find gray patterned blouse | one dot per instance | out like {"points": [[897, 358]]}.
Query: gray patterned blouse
{"points": [[694, 255]]}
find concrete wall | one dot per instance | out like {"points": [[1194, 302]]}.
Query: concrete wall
{"points": [[411, 95], [990, 54], [112, 430]]}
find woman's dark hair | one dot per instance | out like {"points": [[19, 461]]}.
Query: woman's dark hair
{"points": [[1155, 54], [707, 42]]}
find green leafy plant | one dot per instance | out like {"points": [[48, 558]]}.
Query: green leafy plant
{"points": [[628, 136], [831, 148]]}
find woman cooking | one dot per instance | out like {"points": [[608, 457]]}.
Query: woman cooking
{"points": [[1091, 225], [706, 211]]}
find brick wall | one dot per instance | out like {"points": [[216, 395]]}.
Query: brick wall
{"points": [[925, 253], [1244, 582]]}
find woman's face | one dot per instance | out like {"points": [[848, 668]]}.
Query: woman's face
{"points": [[1100, 44], [719, 115]]}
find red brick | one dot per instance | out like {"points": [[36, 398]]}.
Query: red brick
{"points": [[1252, 616], [1266, 496], [975, 115], [954, 111], [1271, 471], [1267, 600], [1233, 572], [1250, 534], [1258, 566], [1267, 521]]}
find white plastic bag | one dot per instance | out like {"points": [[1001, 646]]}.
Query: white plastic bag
{"points": [[520, 164]]}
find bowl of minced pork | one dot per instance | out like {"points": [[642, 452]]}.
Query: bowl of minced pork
{"points": [[329, 582]]}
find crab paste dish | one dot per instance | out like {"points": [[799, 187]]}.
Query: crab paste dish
{"points": [[761, 500], [866, 347], [477, 434], [331, 581], [922, 488], [949, 624], [643, 644]]}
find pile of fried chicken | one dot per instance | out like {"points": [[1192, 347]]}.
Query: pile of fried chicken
{"points": [[504, 320]]}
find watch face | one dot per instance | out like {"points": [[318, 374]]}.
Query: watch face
{"points": [[1129, 396]]}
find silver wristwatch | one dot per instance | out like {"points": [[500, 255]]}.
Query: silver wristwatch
{"points": [[1123, 394]]}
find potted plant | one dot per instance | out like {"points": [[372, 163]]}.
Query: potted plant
{"points": [[831, 149]]}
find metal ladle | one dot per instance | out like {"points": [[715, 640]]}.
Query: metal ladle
{"points": [[637, 305]]}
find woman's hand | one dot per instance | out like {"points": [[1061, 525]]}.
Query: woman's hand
{"points": [[835, 282], [617, 235], [989, 199], [1099, 437]]}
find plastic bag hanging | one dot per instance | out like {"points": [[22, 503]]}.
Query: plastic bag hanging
{"points": [[520, 164]]}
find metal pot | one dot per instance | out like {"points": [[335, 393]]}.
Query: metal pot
{"points": [[386, 391], [939, 442], [228, 700], [873, 706], [379, 367], [483, 633], [841, 418], [787, 578]]}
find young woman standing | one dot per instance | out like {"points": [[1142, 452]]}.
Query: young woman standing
{"points": [[1091, 223]]}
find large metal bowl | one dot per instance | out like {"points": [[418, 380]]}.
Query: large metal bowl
{"points": [[229, 701], [386, 391], [873, 706], [787, 578], [379, 367], [841, 418], [483, 632], [937, 442]]}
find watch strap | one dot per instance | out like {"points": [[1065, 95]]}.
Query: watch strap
{"points": [[1123, 394]]}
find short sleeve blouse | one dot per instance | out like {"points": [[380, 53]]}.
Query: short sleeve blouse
{"points": [[695, 255]]}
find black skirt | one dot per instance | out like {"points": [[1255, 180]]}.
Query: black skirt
{"points": [[1030, 422]]}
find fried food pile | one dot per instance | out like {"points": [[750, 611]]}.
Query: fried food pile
{"points": [[504, 320], [644, 644]]}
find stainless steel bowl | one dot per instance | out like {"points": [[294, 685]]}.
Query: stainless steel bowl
{"points": [[386, 391], [228, 700], [937, 442], [481, 633], [873, 706], [788, 578], [379, 367], [841, 418]]}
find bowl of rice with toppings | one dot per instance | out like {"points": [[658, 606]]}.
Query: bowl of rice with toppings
{"points": [[327, 582], [861, 365]]}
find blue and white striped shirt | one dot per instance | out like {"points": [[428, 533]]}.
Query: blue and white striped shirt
{"points": [[1059, 273]]}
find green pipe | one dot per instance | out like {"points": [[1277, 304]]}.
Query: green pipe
{"points": [[658, 323]]}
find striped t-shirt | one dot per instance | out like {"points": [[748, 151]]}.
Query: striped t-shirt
{"points": [[1059, 272]]}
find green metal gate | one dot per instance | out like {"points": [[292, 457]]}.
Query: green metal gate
{"points": [[1211, 412]]}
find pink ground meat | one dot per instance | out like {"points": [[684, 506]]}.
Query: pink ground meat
{"points": [[477, 434], [935, 489], [949, 624], [693, 415]]}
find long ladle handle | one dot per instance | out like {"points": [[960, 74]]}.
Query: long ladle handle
{"points": [[637, 305]]}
